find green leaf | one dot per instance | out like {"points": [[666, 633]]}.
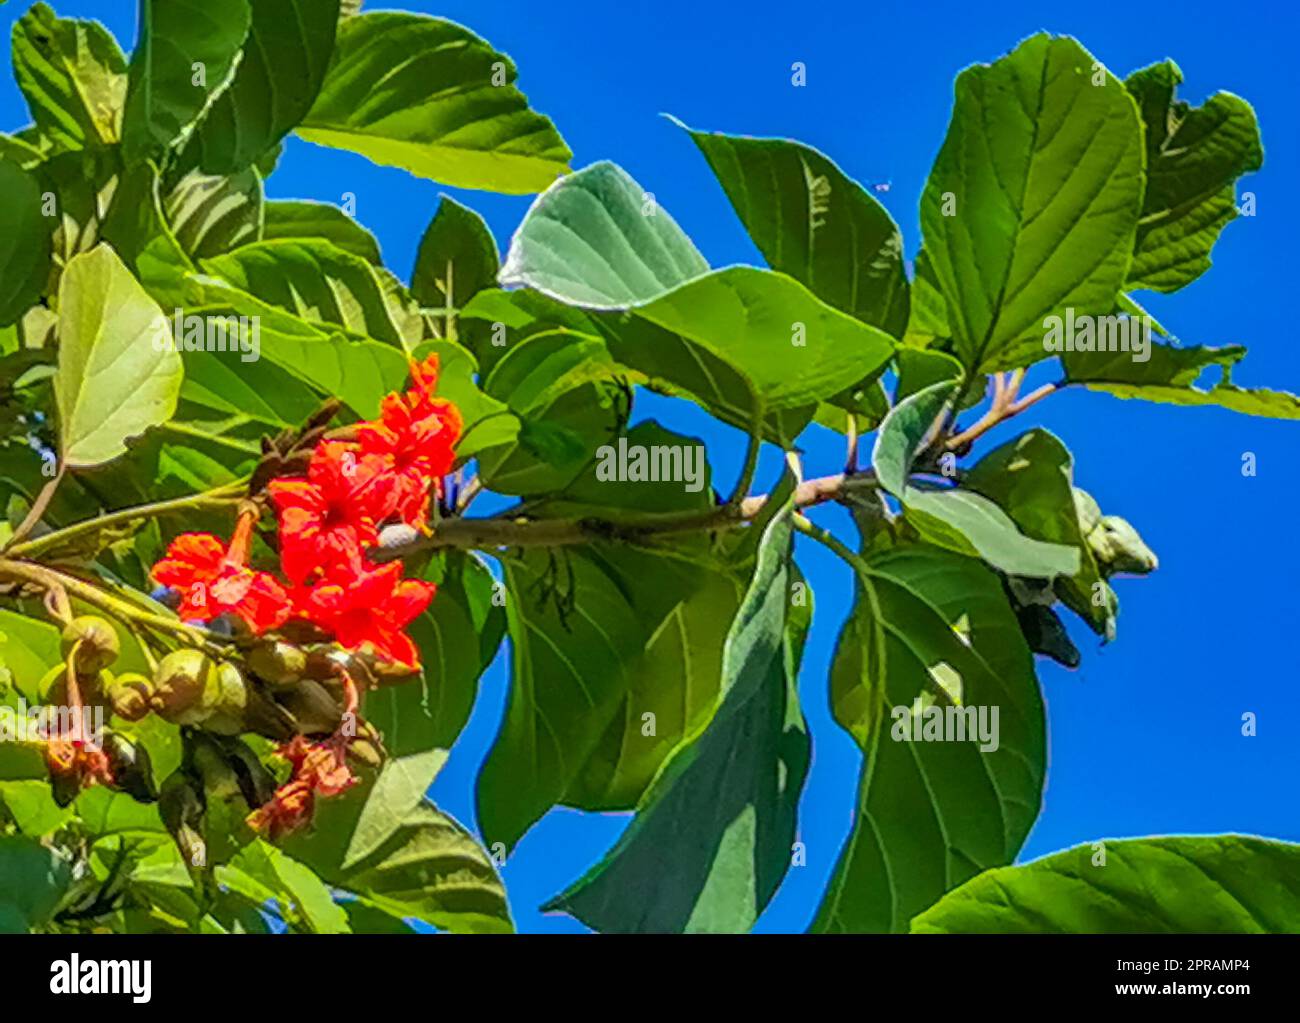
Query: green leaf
{"points": [[957, 519], [932, 627], [597, 239], [315, 281], [261, 872], [457, 258], [1169, 375], [426, 95], [1033, 201], [792, 349], [118, 373], [429, 714], [18, 152], [210, 215], [559, 388], [179, 40], [1212, 884], [572, 625], [713, 837], [304, 219], [813, 222], [430, 869], [1194, 157], [1032, 478], [32, 806], [24, 242], [279, 75], [436, 872], [36, 879], [29, 647], [399, 789], [683, 602], [73, 75]]}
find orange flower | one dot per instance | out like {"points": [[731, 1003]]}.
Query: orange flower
{"points": [[371, 609], [317, 769], [415, 437], [327, 519], [214, 580]]}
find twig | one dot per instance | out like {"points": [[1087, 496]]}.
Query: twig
{"points": [[37, 509]]}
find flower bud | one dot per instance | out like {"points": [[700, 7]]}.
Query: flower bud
{"points": [[94, 641]]}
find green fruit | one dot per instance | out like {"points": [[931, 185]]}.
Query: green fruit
{"points": [[279, 665], [92, 642], [179, 687], [129, 696], [229, 694]]}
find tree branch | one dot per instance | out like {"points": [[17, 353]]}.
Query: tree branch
{"points": [[509, 530]]}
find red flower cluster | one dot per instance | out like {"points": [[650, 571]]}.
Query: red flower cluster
{"points": [[327, 522], [317, 769]]}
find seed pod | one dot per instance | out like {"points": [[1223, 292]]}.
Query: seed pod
{"points": [[94, 641], [278, 664], [129, 696], [130, 767], [226, 697], [181, 806], [179, 686]]}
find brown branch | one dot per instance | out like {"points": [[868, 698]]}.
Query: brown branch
{"points": [[508, 531]]}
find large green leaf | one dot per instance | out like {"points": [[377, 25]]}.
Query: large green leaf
{"points": [[35, 881], [813, 222], [283, 65], [456, 260], [118, 372], [24, 242], [713, 837], [429, 869], [956, 518], [559, 388], [261, 873], [597, 239], [313, 280], [179, 40], [572, 627], [1032, 477], [1212, 884], [303, 219], [73, 75], [1169, 375], [411, 91], [398, 790], [458, 636], [1042, 173], [1194, 157], [931, 630], [210, 215], [793, 349]]}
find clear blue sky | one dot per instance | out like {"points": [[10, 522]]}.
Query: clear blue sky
{"points": [[1145, 736]]}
